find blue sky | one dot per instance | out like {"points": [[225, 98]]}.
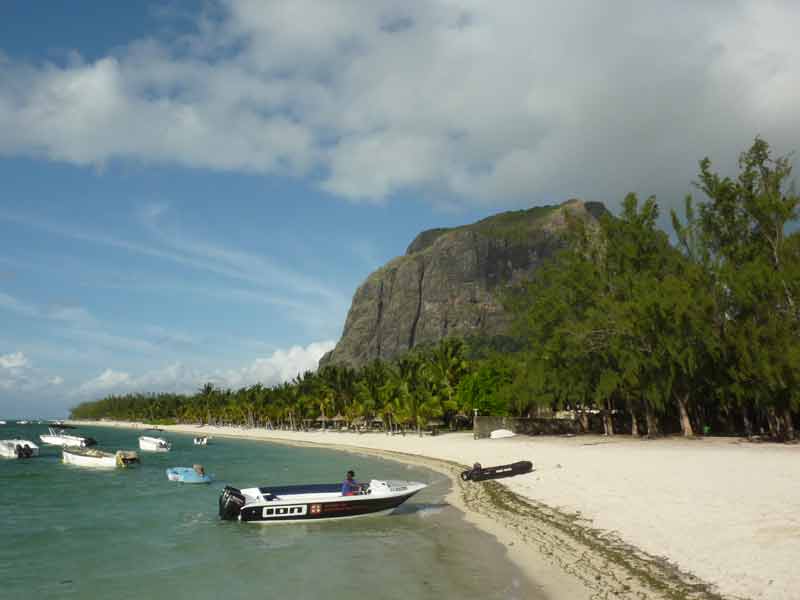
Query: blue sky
{"points": [[193, 191]]}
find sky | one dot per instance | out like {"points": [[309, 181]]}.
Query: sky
{"points": [[192, 191]]}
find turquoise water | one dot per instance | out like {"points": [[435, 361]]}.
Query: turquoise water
{"points": [[71, 532]]}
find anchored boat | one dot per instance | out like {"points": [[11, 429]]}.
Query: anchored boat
{"points": [[154, 444], [201, 440], [92, 457], [194, 474], [57, 437], [314, 502], [18, 449]]}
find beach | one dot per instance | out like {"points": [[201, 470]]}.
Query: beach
{"points": [[614, 517]]}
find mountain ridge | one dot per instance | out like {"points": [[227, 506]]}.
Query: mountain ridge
{"points": [[448, 282]]}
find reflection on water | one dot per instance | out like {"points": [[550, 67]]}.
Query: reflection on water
{"points": [[71, 532]]}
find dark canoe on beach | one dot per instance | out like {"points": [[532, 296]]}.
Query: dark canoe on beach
{"points": [[478, 473]]}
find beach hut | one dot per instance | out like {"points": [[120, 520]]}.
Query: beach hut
{"points": [[323, 419], [338, 420]]}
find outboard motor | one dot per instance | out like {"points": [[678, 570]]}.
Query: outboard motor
{"points": [[231, 502], [27, 451]]}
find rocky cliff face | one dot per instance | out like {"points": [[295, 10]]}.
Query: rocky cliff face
{"points": [[448, 283]]}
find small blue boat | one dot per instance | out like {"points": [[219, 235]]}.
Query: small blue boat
{"points": [[195, 474]]}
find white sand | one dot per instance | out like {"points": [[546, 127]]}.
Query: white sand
{"points": [[726, 510]]}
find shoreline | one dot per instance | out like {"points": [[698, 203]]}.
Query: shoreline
{"points": [[569, 551]]}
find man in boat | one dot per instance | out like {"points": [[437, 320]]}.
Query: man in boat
{"points": [[350, 487]]}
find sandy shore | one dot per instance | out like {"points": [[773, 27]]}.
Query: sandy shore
{"points": [[623, 518]]}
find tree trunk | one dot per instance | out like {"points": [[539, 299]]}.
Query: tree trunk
{"points": [[774, 424], [634, 424], [788, 425], [608, 424], [583, 417], [652, 421], [748, 424], [683, 407]]}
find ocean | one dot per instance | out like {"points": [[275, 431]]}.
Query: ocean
{"points": [[72, 532]]}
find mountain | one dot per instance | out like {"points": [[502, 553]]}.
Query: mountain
{"points": [[448, 283]]}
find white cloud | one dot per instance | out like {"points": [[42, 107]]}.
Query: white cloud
{"points": [[17, 373], [14, 360], [455, 98], [107, 382], [280, 366]]}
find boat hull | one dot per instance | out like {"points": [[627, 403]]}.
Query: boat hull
{"points": [[104, 461], [478, 473], [151, 444], [320, 504], [69, 441], [187, 475], [18, 449], [83, 457]]}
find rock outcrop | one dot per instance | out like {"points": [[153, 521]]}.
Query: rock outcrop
{"points": [[448, 283]]}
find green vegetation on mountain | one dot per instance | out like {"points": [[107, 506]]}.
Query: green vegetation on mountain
{"points": [[702, 335]]}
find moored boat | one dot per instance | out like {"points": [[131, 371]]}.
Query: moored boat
{"points": [[57, 437], [154, 444], [194, 474], [18, 449], [201, 440], [2, 422], [314, 502], [92, 457]]}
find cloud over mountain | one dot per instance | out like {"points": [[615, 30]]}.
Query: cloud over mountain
{"points": [[461, 100]]}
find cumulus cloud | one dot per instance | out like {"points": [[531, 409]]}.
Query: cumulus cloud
{"points": [[17, 373], [14, 360], [280, 366], [457, 99]]}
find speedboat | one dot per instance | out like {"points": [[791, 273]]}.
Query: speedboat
{"points": [[314, 502], [154, 444], [57, 437], [201, 440], [92, 457], [18, 449], [195, 474]]}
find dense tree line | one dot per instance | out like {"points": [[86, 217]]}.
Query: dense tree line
{"points": [[418, 391], [651, 336], [701, 335]]}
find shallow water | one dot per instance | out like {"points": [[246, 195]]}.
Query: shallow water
{"points": [[72, 532]]}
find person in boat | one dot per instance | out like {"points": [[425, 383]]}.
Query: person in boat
{"points": [[199, 470], [350, 487]]}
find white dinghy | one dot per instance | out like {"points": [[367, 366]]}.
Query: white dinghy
{"points": [[201, 440], [499, 434], [154, 444], [91, 457], [18, 449]]}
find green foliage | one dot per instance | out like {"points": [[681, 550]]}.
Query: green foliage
{"points": [[689, 336]]}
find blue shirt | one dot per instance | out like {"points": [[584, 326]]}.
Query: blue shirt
{"points": [[349, 486]]}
